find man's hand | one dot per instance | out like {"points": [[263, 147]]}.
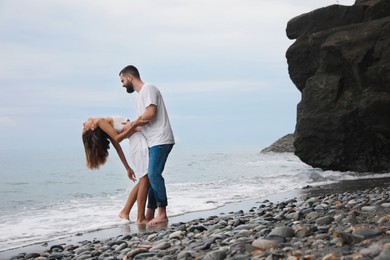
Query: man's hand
{"points": [[142, 120], [139, 121], [131, 175], [126, 126]]}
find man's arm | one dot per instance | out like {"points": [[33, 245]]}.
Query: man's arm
{"points": [[144, 119]]}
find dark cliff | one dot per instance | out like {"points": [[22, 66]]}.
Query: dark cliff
{"points": [[340, 62]]}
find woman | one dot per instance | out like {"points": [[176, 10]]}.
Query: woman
{"points": [[97, 135]]}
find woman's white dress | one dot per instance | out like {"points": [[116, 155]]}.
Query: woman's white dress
{"points": [[139, 150]]}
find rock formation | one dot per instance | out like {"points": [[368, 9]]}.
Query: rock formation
{"points": [[282, 145], [340, 62]]}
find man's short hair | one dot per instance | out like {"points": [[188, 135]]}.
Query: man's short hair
{"points": [[130, 69]]}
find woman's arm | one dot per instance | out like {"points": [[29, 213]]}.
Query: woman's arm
{"points": [[110, 131], [118, 148]]}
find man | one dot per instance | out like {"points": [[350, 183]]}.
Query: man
{"points": [[156, 128]]}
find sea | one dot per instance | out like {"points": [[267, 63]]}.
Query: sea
{"points": [[46, 196]]}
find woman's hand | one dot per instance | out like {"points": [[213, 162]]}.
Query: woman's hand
{"points": [[131, 174], [126, 125]]}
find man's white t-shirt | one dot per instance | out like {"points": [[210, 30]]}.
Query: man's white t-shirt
{"points": [[158, 131]]}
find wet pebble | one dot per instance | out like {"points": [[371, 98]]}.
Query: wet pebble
{"points": [[366, 233]]}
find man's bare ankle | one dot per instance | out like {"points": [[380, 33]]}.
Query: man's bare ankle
{"points": [[149, 214]]}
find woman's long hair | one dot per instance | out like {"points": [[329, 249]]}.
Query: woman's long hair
{"points": [[96, 145]]}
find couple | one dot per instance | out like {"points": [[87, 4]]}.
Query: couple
{"points": [[151, 140]]}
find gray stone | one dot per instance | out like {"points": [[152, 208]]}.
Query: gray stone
{"points": [[369, 208], [243, 227], [57, 248], [161, 246], [144, 255], [313, 215], [371, 251], [135, 252], [244, 233], [385, 219], [282, 232], [121, 247], [326, 220], [83, 256], [366, 233], [216, 255], [301, 231], [186, 255], [196, 227], [176, 234], [32, 255], [384, 255]]}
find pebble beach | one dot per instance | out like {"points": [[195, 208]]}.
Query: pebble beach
{"points": [[345, 220]]}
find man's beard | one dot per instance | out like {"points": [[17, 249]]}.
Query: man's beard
{"points": [[129, 87]]}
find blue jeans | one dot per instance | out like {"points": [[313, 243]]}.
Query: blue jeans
{"points": [[157, 195]]}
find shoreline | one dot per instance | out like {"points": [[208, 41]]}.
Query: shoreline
{"points": [[132, 228], [228, 209]]}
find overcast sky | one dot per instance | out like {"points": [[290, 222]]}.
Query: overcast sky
{"points": [[220, 65]]}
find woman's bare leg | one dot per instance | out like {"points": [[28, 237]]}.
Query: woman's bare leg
{"points": [[141, 199], [125, 212]]}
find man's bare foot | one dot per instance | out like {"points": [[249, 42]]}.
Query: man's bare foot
{"points": [[158, 220], [157, 227]]}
